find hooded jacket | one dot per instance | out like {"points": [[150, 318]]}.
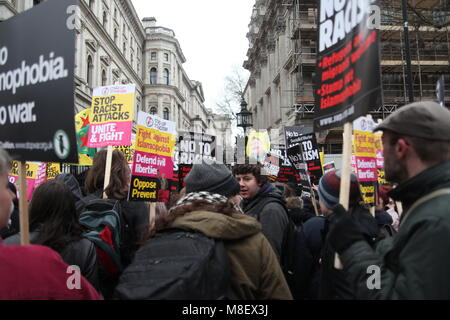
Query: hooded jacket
{"points": [[255, 271], [268, 208], [413, 264]]}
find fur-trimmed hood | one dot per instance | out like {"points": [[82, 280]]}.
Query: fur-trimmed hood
{"points": [[217, 225]]}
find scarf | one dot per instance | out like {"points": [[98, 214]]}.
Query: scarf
{"points": [[204, 196]]}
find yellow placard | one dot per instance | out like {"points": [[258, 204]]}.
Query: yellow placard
{"points": [[154, 141], [53, 170], [364, 144], [112, 108]]}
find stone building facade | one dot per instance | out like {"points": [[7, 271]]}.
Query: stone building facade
{"points": [[114, 47], [282, 54]]}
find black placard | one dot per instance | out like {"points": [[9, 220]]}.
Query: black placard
{"points": [[348, 78], [37, 83], [144, 189]]}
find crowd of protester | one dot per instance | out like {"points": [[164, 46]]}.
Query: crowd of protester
{"points": [[245, 218]]}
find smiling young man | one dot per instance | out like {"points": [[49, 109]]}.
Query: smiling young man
{"points": [[264, 202]]}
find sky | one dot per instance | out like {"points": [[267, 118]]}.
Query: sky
{"points": [[211, 33]]}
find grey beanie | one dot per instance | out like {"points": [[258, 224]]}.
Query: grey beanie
{"points": [[214, 178]]}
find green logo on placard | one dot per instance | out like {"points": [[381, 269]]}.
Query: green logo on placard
{"points": [[61, 144]]}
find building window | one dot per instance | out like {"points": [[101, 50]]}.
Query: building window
{"points": [[104, 78], [90, 70], [166, 57], [166, 113], [166, 76], [105, 19], [115, 35], [115, 13], [153, 110], [91, 4], [153, 56], [131, 59], [125, 49], [153, 76]]}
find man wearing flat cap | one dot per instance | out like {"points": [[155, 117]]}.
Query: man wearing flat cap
{"points": [[415, 263]]}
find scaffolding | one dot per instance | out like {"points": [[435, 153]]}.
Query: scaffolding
{"points": [[429, 35]]}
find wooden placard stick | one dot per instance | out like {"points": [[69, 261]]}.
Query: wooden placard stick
{"points": [[313, 197], [344, 193], [152, 216], [107, 170], [23, 205], [399, 206]]}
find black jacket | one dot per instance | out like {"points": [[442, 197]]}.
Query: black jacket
{"points": [[81, 253], [269, 209], [334, 283]]}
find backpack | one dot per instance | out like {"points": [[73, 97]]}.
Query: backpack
{"points": [[293, 250], [177, 264], [103, 223]]}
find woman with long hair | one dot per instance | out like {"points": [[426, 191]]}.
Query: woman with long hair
{"points": [[134, 214], [54, 223]]}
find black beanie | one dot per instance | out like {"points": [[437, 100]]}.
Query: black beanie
{"points": [[214, 178]]}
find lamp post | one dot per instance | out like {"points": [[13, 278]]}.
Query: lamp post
{"points": [[244, 120], [245, 117]]}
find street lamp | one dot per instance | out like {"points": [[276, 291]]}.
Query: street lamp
{"points": [[245, 117]]}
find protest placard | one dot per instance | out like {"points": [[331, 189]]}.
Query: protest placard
{"points": [[82, 124], [111, 116], [292, 134], [128, 151], [310, 155], [258, 145], [53, 170], [35, 176], [192, 148], [366, 164], [348, 77], [196, 148], [153, 156], [37, 80]]}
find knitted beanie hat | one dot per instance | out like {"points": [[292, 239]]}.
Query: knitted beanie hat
{"points": [[214, 178], [329, 187]]}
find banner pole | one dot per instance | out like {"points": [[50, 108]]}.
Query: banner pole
{"points": [[313, 197], [152, 215], [107, 170], [344, 193], [23, 205]]}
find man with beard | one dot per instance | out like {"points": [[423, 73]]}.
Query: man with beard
{"points": [[415, 263]]}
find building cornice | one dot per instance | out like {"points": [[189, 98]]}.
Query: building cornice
{"points": [[164, 37]]}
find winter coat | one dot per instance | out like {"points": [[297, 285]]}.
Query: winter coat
{"points": [[415, 263], [268, 208], [255, 271], [334, 283], [81, 253], [313, 230], [69, 180], [38, 273]]}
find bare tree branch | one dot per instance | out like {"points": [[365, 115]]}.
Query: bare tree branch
{"points": [[234, 87]]}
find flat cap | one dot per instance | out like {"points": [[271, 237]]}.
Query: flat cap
{"points": [[424, 119]]}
